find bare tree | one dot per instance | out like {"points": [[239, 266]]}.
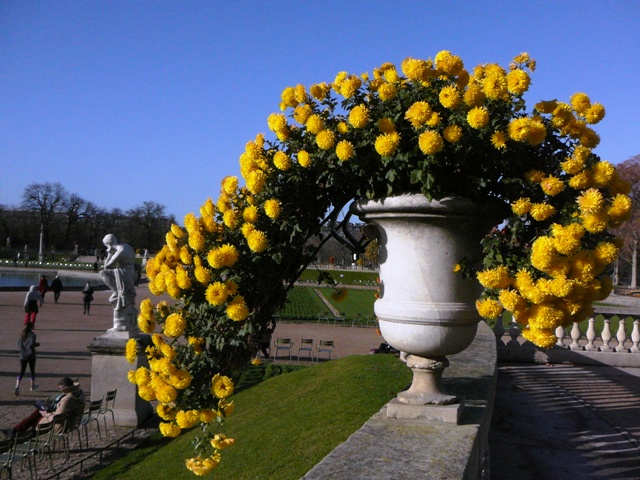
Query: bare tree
{"points": [[47, 199], [630, 231], [152, 223]]}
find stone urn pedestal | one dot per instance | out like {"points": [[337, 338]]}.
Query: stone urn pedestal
{"points": [[425, 309], [109, 369]]}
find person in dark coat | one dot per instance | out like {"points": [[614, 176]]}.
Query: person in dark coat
{"points": [[87, 297], [56, 288], [43, 288], [27, 344]]}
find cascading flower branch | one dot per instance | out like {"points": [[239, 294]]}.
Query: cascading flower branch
{"points": [[431, 127]]}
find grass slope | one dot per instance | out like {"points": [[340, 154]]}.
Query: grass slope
{"points": [[283, 426]]}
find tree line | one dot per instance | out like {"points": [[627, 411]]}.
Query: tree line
{"points": [[69, 223]]}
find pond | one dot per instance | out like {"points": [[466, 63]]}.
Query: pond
{"points": [[13, 278]]}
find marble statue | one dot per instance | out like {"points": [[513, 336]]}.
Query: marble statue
{"points": [[119, 275]]}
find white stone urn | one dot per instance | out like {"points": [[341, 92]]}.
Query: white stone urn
{"points": [[425, 309]]}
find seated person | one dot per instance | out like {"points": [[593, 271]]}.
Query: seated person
{"points": [[69, 399]]}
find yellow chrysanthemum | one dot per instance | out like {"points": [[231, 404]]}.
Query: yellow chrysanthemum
{"points": [[495, 277], [542, 211], [416, 70], [272, 208], [494, 86], [257, 241], [230, 184], [386, 144], [450, 97], [489, 308], [282, 161], [201, 466], [302, 113], [304, 159], [453, 133], [174, 325], [326, 139], [169, 429], [387, 91], [511, 301], [521, 207], [594, 114], [567, 240], [620, 208], [418, 114], [595, 222], [591, 201], [320, 90], [478, 117], [499, 140], [344, 150], [315, 124], [221, 441], [543, 253], [430, 142], [474, 96], [602, 174], [166, 412], [221, 386], [518, 81], [580, 103], [359, 116], [224, 256], [237, 309], [606, 253], [216, 293], [231, 219], [448, 63], [581, 180], [187, 418], [552, 185], [131, 350], [146, 323], [434, 120], [207, 415], [250, 214]]}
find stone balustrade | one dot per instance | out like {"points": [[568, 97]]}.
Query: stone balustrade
{"points": [[616, 342]]}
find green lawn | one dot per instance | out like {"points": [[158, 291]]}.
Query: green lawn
{"points": [[283, 426], [303, 304], [356, 301], [345, 277]]}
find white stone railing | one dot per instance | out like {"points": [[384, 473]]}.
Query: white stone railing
{"points": [[611, 346]]}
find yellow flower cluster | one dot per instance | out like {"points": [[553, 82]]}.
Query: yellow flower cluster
{"points": [[431, 126], [568, 277]]}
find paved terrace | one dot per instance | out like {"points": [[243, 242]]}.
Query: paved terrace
{"points": [[549, 422]]}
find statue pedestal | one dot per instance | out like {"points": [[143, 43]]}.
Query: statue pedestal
{"points": [[109, 370]]}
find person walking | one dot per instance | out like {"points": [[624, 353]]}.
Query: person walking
{"points": [[43, 288], [31, 302], [87, 296], [27, 344], [56, 288]]}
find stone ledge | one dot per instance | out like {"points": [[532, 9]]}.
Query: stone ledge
{"points": [[388, 448]]}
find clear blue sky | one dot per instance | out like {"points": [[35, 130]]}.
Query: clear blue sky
{"points": [[128, 101]]}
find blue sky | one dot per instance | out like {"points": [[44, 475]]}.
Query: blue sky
{"points": [[124, 102]]}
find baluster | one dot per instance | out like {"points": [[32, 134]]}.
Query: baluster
{"points": [[560, 333], [606, 336], [635, 337], [591, 335], [498, 330], [514, 333], [575, 336], [621, 336]]}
